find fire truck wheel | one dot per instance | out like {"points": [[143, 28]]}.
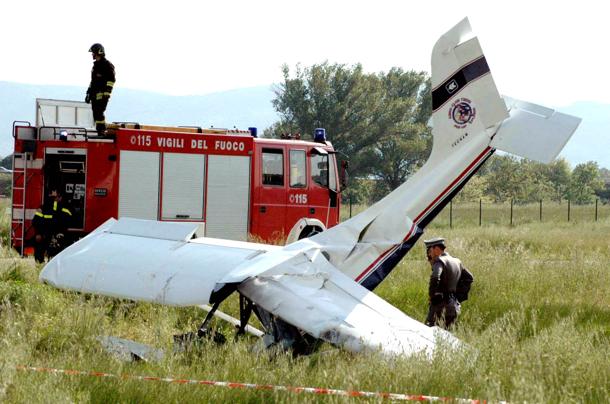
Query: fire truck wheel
{"points": [[310, 231]]}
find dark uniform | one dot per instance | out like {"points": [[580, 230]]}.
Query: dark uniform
{"points": [[446, 272], [102, 82], [50, 225]]}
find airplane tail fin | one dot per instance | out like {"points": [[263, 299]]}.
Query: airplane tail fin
{"points": [[467, 107], [470, 120]]}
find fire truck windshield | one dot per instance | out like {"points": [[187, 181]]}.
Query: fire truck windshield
{"points": [[332, 173], [319, 169]]}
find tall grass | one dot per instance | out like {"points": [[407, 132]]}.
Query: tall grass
{"points": [[538, 318]]}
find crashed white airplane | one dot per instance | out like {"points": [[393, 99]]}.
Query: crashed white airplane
{"points": [[320, 288]]}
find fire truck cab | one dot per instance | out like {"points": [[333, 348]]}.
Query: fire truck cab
{"points": [[234, 184]]}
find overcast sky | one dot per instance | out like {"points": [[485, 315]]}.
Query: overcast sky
{"points": [[548, 52]]}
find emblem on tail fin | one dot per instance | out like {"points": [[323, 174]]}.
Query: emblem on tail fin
{"points": [[462, 112], [451, 86]]}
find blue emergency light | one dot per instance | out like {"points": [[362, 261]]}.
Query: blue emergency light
{"points": [[253, 131], [319, 135]]}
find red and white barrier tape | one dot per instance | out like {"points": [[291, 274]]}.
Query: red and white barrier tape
{"points": [[232, 385]]}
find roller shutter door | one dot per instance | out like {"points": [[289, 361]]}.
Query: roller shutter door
{"points": [[139, 185], [228, 197], [183, 176]]}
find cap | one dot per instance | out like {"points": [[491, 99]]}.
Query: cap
{"points": [[437, 241]]}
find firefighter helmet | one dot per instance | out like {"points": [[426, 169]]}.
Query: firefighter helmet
{"points": [[97, 49]]}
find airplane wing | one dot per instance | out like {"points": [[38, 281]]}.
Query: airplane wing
{"points": [[148, 261], [159, 262]]}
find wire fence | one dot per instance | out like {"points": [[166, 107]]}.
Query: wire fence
{"points": [[511, 213]]}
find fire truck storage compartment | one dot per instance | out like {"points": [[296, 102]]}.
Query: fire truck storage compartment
{"points": [[139, 184], [183, 186], [184, 192], [228, 198], [63, 113], [65, 171]]}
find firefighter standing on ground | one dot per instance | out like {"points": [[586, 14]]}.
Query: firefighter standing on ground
{"points": [[102, 82], [446, 288], [50, 224]]}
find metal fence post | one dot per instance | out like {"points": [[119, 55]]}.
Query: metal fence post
{"points": [[511, 211], [596, 200], [568, 210], [541, 210], [350, 206], [480, 211]]}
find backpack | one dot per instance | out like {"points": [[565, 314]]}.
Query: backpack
{"points": [[463, 285]]}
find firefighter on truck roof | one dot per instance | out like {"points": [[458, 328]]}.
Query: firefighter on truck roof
{"points": [[50, 223], [102, 82]]}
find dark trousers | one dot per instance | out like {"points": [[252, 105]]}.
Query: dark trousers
{"points": [[443, 314], [40, 248], [99, 107], [49, 245]]}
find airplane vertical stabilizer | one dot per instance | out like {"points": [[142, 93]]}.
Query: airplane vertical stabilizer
{"points": [[468, 113]]}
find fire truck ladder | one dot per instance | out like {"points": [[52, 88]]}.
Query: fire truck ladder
{"points": [[20, 172]]}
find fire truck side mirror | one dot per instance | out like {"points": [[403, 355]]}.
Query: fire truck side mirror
{"points": [[344, 174]]}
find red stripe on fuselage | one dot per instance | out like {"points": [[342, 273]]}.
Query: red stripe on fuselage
{"points": [[424, 212], [479, 157], [367, 270]]}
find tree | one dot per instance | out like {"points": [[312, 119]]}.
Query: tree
{"points": [[403, 140], [6, 184], [7, 162], [605, 174], [526, 180], [474, 190], [586, 179], [604, 193], [378, 120], [323, 96], [558, 174], [536, 183], [505, 177]]}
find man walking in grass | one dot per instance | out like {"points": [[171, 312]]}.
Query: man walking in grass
{"points": [[449, 284]]}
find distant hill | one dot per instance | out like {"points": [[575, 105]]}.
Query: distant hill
{"points": [[249, 107], [242, 108]]}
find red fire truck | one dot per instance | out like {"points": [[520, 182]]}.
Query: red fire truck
{"points": [[234, 184]]}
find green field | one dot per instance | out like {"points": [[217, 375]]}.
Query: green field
{"points": [[472, 213], [538, 316]]}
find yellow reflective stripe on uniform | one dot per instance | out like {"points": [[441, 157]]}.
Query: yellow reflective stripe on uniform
{"points": [[66, 211], [107, 94], [38, 214], [99, 96], [110, 83], [55, 205], [48, 216], [100, 122]]}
